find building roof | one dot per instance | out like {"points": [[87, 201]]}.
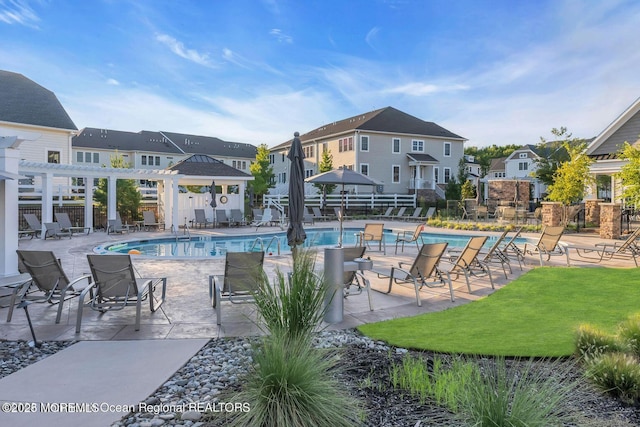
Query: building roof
{"points": [[497, 164], [161, 142], [203, 165], [419, 157], [24, 101], [387, 119], [625, 128]]}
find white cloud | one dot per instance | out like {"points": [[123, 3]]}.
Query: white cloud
{"points": [[371, 35], [424, 89], [113, 82], [280, 36], [179, 49], [18, 12]]}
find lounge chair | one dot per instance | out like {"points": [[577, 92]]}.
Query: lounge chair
{"points": [[222, 218], [467, 262], [265, 219], [51, 283], [629, 248], [430, 213], [482, 212], [53, 230], [494, 255], [548, 244], [150, 221], [355, 282], [237, 217], [373, 232], [510, 249], [386, 214], [115, 286], [277, 217], [116, 225], [317, 214], [65, 223], [200, 219], [307, 217], [399, 215], [257, 214], [424, 271], [414, 216], [243, 274], [408, 237], [34, 223]]}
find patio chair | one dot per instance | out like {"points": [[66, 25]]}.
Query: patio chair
{"points": [[548, 244], [115, 286], [243, 275], [399, 215], [373, 232], [222, 218], [511, 249], [494, 255], [257, 214], [53, 230], [237, 217], [34, 223], [65, 223], [482, 212], [424, 271], [116, 225], [386, 214], [307, 217], [264, 219], [415, 215], [467, 262], [317, 214], [408, 237], [49, 282], [354, 281], [430, 213], [277, 217], [200, 218], [629, 248], [149, 218]]}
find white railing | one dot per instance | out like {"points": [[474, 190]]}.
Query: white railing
{"points": [[351, 201], [420, 184]]}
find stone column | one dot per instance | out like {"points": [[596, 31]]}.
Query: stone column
{"points": [[551, 214], [610, 216], [592, 211]]}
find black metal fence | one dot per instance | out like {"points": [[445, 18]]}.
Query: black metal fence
{"points": [[76, 215]]}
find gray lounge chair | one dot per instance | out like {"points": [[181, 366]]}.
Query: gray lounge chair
{"points": [[467, 262], [149, 218], [116, 226], [243, 275], [629, 248], [386, 214], [317, 214], [548, 244], [65, 223], [221, 217], [201, 218], [414, 216], [237, 217], [54, 230], [115, 286], [424, 271], [34, 223], [51, 283]]}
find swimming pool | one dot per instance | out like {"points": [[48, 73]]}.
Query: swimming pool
{"points": [[218, 246]]}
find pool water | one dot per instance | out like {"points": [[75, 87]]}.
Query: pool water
{"points": [[218, 246]]}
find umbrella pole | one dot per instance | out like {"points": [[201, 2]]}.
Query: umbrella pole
{"points": [[341, 216]]}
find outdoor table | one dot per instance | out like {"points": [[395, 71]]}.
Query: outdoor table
{"points": [[13, 283]]}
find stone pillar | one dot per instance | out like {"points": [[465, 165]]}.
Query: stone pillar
{"points": [[610, 217], [592, 211], [551, 214]]}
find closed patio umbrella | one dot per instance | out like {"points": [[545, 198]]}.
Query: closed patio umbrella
{"points": [[295, 232], [342, 177], [213, 202]]}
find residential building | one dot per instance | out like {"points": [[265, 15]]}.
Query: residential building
{"points": [[407, 154], [472, 167], [604, 150], [497, 169]]}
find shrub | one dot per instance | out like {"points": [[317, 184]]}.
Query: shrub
{"points": [[291, 385], [501, 396], [617, 374], [629, 333], [592, 342], [294, 304]]}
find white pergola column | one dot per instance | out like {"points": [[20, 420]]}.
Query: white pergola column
{"points": [[88, 203], [241, 188], [9, 159], [112, 205], [173, 206], [47, 202]]}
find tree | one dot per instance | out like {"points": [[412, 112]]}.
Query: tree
{"points": [[262, 172], [326, 164], [128, 197], [552, 154], [468, 190], [571, 177], [630, 174], [484, 155]]}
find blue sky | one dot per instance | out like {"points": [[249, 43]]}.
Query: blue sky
{"points": [[494, 72]]}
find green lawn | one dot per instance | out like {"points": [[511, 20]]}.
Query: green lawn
{"points": [[535, 315]]}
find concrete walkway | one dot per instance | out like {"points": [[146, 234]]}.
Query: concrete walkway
{"points": [[116, 365]]}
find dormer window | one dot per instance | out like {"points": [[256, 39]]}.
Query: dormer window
{"points": [[523, 155]]}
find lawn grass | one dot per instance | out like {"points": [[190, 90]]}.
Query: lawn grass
{"points": [[536, 315]]}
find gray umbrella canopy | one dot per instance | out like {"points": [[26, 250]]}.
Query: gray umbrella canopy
{"points": [[213, 203], [295, 232], [342, 177]]}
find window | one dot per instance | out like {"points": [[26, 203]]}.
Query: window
{"points": [[364, 168], [143, 160], [395, 145], [272, 159], [417, 145], [395, 174], [447, 175], [436, 175], [79, 157], [157, 160], [244, 165], [364, 143], [283, 156], [53, 157], [523, 166], [233, 163], [308, 173], [345, 144], [96, 158], [447, 149], [87, 157], [523, 155], [308, 151], [325, 147]]}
